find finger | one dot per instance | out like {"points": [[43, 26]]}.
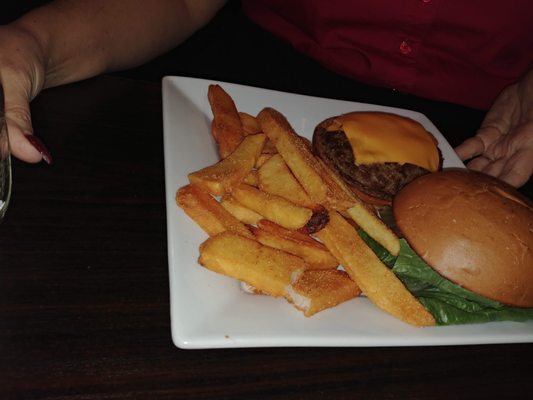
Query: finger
{"points": [[18, 120], [518, 169], [500, 114], [494, 168], [478, 163], [480, 144], [516, 178], [471, 147]]}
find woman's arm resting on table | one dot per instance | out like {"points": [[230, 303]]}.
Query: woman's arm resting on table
{"points": [[70, 40], [503, 145]]}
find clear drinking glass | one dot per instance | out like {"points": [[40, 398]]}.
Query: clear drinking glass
{"points": [[5, 160]]}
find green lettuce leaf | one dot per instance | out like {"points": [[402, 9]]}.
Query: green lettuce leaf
{"points": [[449, 303]]}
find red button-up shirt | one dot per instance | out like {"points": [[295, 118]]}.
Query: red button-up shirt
{"points": [[461, 51]]}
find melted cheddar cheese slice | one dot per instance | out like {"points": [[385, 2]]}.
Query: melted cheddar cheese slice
{"points": [[378, 137]]}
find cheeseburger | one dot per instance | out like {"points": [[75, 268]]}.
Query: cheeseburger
{"points": [[466, 248], [376, 153]]}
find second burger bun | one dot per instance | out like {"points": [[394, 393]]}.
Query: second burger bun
{"points": [[474, 230], [376, 153]]}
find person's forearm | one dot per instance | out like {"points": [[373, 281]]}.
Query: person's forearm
{"points": [[83, 38]]}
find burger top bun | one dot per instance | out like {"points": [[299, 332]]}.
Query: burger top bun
{"points": [[474, 230]]}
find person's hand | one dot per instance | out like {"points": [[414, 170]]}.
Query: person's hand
{"points": [[22, 74], [503, 145]]}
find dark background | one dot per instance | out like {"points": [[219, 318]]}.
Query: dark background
{"points": [[84, 296], [231, 48]]}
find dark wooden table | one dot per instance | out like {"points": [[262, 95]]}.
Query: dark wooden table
{"points": [[84, 294]]}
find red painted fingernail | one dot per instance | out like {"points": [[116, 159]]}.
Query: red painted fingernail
{"points": [[40, 147]]}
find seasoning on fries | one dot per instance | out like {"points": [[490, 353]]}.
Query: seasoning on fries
{"points": [[227, 126], [223, 176], [281, 222]]}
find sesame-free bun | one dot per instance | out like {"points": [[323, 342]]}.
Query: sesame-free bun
{"points": [[474, 230]]}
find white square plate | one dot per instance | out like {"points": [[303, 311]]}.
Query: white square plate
{"points": [[211, 311]]}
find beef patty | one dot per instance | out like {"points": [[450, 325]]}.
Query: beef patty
{"points": [[380, 180]]}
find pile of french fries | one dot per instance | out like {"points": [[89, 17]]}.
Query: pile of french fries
{"points": [[281, 222]]}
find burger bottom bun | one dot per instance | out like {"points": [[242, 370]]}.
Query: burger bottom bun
{"points": [[474, 230]]}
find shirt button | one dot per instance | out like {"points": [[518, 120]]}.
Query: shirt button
{"points": [[425, 1], [405, 48]]}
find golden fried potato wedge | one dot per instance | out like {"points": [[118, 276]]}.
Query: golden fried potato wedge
{"points": [[278, 230], [304, 165], [314, 253], [365, 217], [276, 178], [272, 207], [249, 123], [269, 148], [375, 279], [247, 288], [266, 269], [263, 158], [322, 184], [242, 213], [375, 227], [226, 127], [317, 290], [340, 190], [252, 178], [221, 177], [294, 151], [208, 213]]}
